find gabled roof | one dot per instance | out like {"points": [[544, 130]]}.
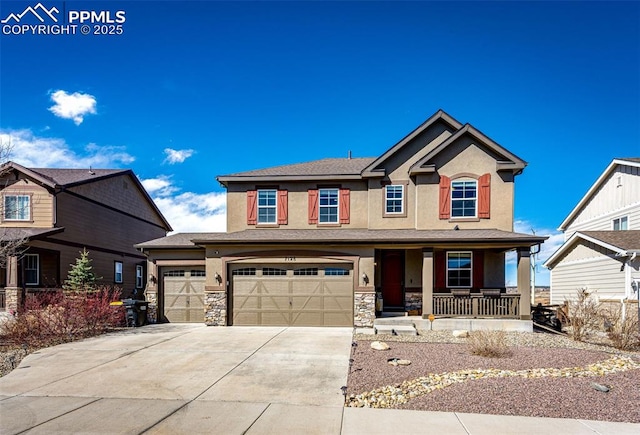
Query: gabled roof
{"points": [[57, 178], [509, 161], [621, 243], [493, 237], [343, 168], [632, 161], [373, 171]]}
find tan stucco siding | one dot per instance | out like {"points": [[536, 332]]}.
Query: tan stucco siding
{"points": [[298, 205], [494, 269], [469, 162], [413, 268], [601, 276], [618, 195], [41, 204], [120, 192]]}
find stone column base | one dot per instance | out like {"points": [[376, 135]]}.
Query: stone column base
{"points": [[215, 308], [152, 309], [13, 299], [364, 309]]}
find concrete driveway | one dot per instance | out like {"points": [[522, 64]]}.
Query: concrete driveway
{"points": [[183, 379]]}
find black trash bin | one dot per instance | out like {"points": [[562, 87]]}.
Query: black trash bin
{"points": [[136, 312]]}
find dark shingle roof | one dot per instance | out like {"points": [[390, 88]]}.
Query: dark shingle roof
{"points": [[355, 236], [630, 159], [333, 166], [65, 177], [625, 240], [27, 233]]}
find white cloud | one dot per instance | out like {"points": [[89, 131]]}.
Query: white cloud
{"points": [[34, 151], [177, 156], [160, 186], [72, 106]]}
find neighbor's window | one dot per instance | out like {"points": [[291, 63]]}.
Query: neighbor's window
{"points": [[328, 206], [464, 196], [139, 276], [17, 208], [117, 275], [31, 264], [394, 199], [458, 269], [621, 224], [267, 206]]}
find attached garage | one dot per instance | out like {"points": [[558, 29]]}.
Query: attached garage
{"points": [[184, 294], [292, 295]]}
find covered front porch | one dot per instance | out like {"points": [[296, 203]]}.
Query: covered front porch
{"points": [[452, 282]]}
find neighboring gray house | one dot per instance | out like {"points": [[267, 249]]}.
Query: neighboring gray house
{"points": [[602, 238]]}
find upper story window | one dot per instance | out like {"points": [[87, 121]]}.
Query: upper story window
{"points": [[17, 208], [459, 269], [394, 199], [267, 206], [139, 276], [267, 211], [621, 224], [117, 273], [328, 206], [464, 196]]}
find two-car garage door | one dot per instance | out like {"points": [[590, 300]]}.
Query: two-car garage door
{"points": [[292, 295]]}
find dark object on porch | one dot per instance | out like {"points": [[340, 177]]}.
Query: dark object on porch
{"points": [[136, 312], [546, 316], [461, 293], [490, 292]]}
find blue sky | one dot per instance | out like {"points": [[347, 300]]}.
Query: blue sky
{"points": [[192, 90]]}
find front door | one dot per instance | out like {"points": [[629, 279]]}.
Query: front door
{"points": [[393, 280]]}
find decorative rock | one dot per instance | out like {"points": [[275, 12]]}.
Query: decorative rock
{"points": [[403, 362], [599, 387], [379, 345], [460, 333]]}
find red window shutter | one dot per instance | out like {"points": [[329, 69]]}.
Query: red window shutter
{"points": [[252, 207], [313, 206], [478, 269], [283, 207], [345, 206], [484, 196], [440, 269], [445, 197]]}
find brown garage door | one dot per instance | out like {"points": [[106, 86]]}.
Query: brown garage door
{"points": [[184, 294], [283, 295]]}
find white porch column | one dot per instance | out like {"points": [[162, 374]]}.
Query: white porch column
{"points": [[524, 282], [427, 282]]}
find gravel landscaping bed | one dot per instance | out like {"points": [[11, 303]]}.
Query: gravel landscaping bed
{"points": [[445, 376]]}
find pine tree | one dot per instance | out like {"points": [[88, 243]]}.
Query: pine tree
{"points": [[81, 276]]}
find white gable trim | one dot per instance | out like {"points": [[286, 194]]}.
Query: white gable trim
{"points": [[565, 223], [562, 250]]}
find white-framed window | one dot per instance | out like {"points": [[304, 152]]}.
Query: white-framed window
{"points": [[621, 224], [117, 273], [459, 269], [328, 206], [464, 198], [31, 264], [394, 199], [17, 208], [139, 276], [267, 211]]}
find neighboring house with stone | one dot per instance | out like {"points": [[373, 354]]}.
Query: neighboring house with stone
{"points": [[602, 238], [60, 212], [425, 227]]}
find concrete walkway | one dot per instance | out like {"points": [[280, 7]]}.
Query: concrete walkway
{"points": [[195, 379]]}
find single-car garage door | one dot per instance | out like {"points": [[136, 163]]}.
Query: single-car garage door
{"points": [[301, 295], [184, 294]]}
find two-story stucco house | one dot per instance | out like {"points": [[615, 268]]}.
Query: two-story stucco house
{"points": [[60, 212], [425, 227], [602, 238]]}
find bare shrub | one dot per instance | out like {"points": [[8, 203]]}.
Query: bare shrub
{"points": [[53, 318], [622, 327], [492, 344], [583, 314]]}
